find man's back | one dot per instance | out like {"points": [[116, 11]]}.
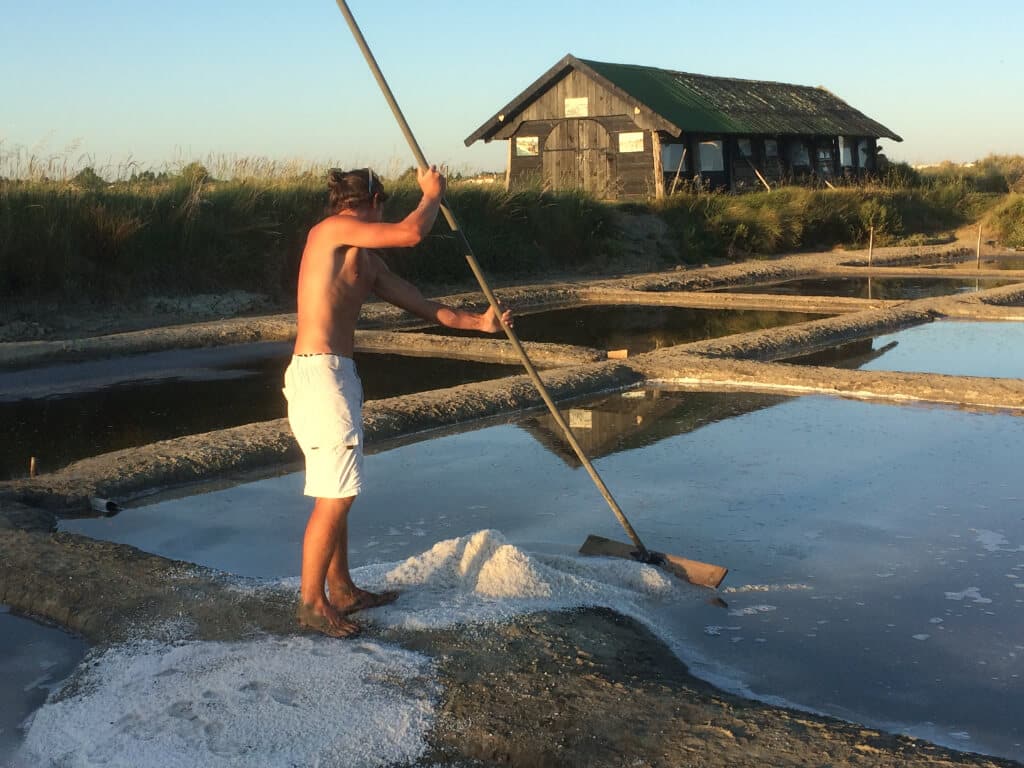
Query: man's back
{"points": [[334, 281]]}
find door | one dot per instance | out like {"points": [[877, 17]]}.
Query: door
{"points": [[577, 155]]}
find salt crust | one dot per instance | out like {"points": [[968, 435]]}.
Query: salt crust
{"points": [[280, 701], [300, 700]]}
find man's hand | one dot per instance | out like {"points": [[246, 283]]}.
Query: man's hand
{"points": [[489, 321], [431, 182]]}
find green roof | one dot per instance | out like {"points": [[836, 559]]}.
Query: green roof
{"points": [[691, 103], [701, 103]]}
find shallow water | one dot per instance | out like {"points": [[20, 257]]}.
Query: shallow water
{"points": [[954, 347], [639, 329], [61, 413], [876, 552], [875, 287], [34, 659]]}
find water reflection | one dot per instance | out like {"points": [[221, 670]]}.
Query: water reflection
{"points": [[639, 418], [63, 413], [640, 329], [875, 287], [851, 355]]}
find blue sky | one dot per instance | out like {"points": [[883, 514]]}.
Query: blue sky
{"points": [[161, 83]]}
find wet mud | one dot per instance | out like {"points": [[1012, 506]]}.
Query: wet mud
{"points": [[590, 687]]}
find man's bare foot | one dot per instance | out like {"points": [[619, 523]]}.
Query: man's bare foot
{"points": [[350, 601], [326, 619]]}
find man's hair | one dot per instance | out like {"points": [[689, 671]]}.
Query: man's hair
{"points": [[353, 189]]}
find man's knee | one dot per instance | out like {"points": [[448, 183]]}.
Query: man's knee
{"points": [[335, 506]]}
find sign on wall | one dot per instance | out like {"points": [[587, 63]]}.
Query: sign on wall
{"points": [[631, 142], [527, 146], [578, 107]]}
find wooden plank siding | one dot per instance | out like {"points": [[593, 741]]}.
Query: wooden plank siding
{"points": [[582, 152]]}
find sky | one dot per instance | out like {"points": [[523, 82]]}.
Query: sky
{"points": [[159, 84]]}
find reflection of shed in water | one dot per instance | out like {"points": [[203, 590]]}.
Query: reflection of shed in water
{"points": [[638, 418], [851, 355]]}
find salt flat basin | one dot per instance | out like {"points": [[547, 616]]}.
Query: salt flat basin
{"points": [[876, 551], [34, 659], [638, 328], [61, 413], [875, 287], [954, 347]]}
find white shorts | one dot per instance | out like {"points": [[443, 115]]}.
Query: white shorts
{"points": [[325, 411]]}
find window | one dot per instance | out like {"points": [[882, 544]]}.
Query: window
{"points": [[823, 156], [771, 148], [527, 146], [631, 142], [863, 153], [846, 151], [578, 107], [671, 156], [746, 147], [798, 154], [711, 158]]}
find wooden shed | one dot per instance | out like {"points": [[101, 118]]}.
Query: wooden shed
{"points": [[628, 131]]}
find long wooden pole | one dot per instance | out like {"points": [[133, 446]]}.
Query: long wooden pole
{"points": [[679, 170], [475, 267]]}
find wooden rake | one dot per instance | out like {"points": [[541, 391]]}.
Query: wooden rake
{"points": [[702, 574]]}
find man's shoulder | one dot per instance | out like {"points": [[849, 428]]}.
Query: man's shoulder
{"points": [[328, 234], [327, 225]]}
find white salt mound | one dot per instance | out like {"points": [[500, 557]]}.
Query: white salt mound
{"points": [[481, 577]]}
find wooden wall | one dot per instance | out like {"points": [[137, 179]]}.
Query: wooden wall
{"points": [[582, 152]]}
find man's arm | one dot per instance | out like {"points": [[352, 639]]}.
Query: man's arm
{"points": [[351, 230], [393, 289]]}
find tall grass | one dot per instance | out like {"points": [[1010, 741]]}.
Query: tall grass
{"points": [[77, 234], [84, 238], [181, 234]]}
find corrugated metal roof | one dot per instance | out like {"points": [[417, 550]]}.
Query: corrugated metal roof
{"points": [[706, 104], [701, 103]]}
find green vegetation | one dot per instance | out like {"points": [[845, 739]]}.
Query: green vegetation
{"points": [[73, 235], [799, 218], [1007, 221]]}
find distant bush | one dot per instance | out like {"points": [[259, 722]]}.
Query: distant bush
{"points": [[1007, 221], [995, 174], [798, 218]]}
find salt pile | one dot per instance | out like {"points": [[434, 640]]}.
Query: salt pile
{"points": [[481, 577]]}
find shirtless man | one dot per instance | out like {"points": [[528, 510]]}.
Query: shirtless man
{"points": [[340, 269]]}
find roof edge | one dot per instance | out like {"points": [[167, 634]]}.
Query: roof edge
{"points": [[499, 118]]}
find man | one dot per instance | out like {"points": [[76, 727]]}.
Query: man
{"points": [[340, 269]]}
